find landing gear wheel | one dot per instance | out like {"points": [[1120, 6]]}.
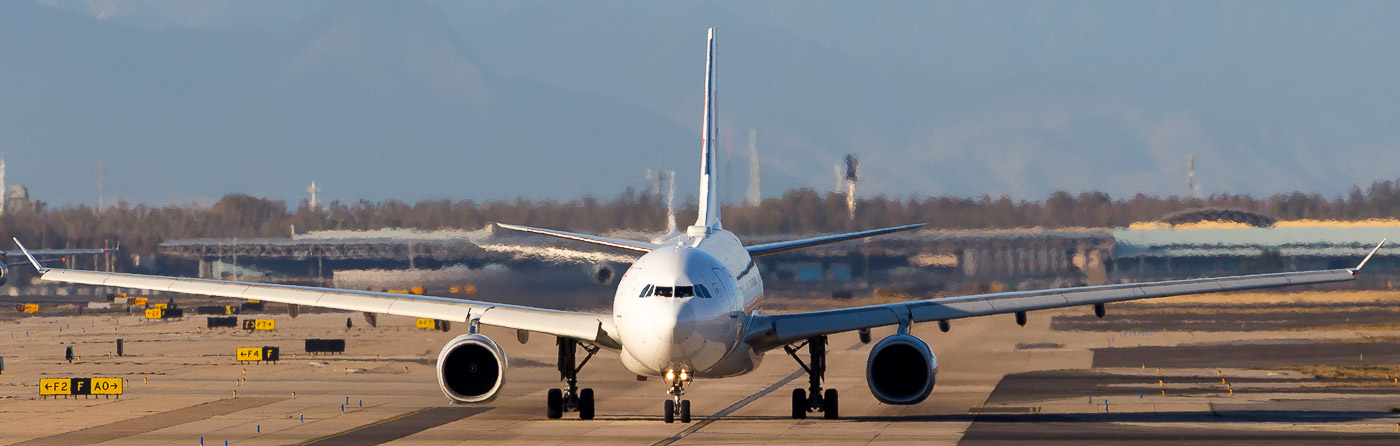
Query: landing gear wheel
{"points": [[799, 404], [685, 411], [570, 398], [585, 404], [555, 404], [816, 370], [829, 405], [670, 416]]}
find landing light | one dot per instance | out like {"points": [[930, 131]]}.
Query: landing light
{"points": [[685, 376], [670, 375]]}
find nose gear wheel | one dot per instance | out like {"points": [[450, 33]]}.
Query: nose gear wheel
{"points": [[677, 407]]}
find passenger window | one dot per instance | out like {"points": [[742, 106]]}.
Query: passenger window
{"points": [[663, 291], [645, 291], [685, 291], [702, 291]]}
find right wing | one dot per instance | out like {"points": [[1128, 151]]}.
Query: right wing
{"points": [[592, 327], [775, 330], [631, 245]]}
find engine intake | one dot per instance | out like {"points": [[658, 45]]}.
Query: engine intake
{"points": [[901, 370], [4, 273], [471, 368]]}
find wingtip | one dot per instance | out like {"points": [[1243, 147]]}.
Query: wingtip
{"points": [[1357, 270], [37, 266]]}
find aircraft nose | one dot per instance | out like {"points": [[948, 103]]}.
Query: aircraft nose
{"points": [[675, 331]]}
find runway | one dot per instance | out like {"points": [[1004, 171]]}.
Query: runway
{"points": [[997, 383]]}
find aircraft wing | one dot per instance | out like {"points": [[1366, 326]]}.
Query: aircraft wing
{"points": [[590, 327], [773, 248], [775, 330], [57, 252], [630, 245]]}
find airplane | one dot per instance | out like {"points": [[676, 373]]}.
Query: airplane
{"points": [[689, 309], [62, 253]]}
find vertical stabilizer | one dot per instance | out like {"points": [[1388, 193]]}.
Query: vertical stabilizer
{"points": [[709, 199]]}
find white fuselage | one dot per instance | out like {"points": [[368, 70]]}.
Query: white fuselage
{"points": [[666, 322]]}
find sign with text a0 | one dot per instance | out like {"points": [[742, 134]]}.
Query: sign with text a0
{"points": [[80, 386]]}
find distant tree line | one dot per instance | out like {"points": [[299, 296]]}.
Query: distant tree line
{"points": [[141, 228]]}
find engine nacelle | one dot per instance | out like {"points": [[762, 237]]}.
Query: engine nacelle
{"points": [[471, 369], [901, 370], [4, 273], [602, 273]]}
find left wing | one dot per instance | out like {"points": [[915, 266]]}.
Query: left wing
{"points": [[775, 330], [774, 248], [57, 252], [590, 327], [630, 245]]}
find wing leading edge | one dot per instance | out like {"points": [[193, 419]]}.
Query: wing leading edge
{"points": [[771, 331]]}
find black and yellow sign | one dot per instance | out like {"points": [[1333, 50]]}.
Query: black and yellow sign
{"points": [[29, 308], [250, 354], [426, 324], [137, 301], [259, 324], [80, 386], [257, 354], [154, 313]]}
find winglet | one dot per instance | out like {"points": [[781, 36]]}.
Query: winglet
{"points": [[36, 264], [1357, 270]]}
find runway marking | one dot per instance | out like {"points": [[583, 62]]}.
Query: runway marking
{"points": [[148, 423], [732, 407], [740, 404], [398, 426]]}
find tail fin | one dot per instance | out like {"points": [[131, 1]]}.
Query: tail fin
{"points": [[709, 200]]}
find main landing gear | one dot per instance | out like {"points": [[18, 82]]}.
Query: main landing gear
{"points": [[676, 406], [813, 399], [570, 398]]}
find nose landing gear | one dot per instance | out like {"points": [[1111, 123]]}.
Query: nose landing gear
{"points": [[570, 398], [813, 399], [676, 406]]}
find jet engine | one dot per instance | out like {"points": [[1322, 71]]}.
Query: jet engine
{"points": [[4, 273], [602, 273], [471, 369], [901, 369]]}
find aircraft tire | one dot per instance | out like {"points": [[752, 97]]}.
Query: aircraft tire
{"points": [[830, 406], [585, 404], [799, 404], [670, 416], [685, 411], [555, 404]]}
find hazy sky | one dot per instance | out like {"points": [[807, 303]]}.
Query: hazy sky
{"points": [[189, 100]]}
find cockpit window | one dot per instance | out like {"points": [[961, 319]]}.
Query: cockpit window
{"points": [[701, 291], [685, 291], [663, 291], [645, 291]]}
